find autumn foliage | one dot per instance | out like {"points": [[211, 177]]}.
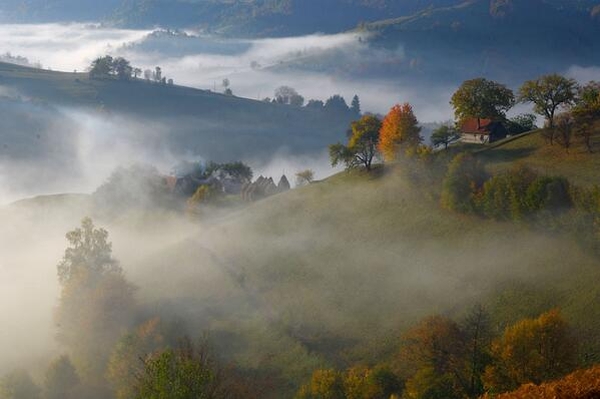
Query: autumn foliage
{"points": [[582, 384], [400, 130], [532, 351]]}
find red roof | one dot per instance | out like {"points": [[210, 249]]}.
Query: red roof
{"points": [[471, 126]]}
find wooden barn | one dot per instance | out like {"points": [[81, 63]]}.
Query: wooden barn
{"points": [[482, 131]]}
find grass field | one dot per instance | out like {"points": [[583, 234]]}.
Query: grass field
{"points": [[532, 149]]}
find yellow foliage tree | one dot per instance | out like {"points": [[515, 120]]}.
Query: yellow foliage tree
{"points": [[400, 130], [531, 351], [324, 384]]}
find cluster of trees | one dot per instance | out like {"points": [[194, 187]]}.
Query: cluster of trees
{"points": [[568, 108], [441, 358], [356, 383], [121, 68], [289, 96], [107, 354], [517, 194], [521, 194], [370, 138]]}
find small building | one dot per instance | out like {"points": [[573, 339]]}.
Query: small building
{"points": [[482, 131]]}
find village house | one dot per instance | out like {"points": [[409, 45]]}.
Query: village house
{"points": [[482, 131]]}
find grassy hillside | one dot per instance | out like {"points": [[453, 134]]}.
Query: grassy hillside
{"points": [[331, 274], [212, 125], [533, 150]]}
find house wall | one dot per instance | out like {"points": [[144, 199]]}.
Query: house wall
{"points": [[475, 138]]}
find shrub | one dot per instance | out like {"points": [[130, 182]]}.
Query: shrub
{"points": [[462, 184]]}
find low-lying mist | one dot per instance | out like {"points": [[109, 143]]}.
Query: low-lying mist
{"points": [[252, 66], [275, 282], [46, 149]]}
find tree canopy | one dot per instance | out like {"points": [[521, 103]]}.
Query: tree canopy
{"points": [[482, 99], [444, 136], [107, 66], [362, 145], [400, 131], [288, 95], [187, 372], [548, 93], [96, 301], [532, 351], [89, 251]]}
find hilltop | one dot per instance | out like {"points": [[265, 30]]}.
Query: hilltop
{"points": [[209, 124]]}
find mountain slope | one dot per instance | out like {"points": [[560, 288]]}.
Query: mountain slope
{"points": [[519, 40], [233, 17], [333, 273], [510, 43], [246, 18], [214, 125]]}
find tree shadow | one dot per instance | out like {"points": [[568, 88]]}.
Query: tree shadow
{"points": [[509, 155]]}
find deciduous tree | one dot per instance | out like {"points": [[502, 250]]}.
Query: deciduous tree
{"points": [[187, 372], [532, 351], [444, 135], [102, 67], [587, 112], [305, 177], [96, 302], [400, 131], [288, 95], [61, 379], [482, 99], [564, 127], [324, 384], [548, 93], [462, 183], [362, 145], [18, 385], [129, 355]]}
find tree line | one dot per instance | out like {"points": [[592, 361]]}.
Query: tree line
{"points": [[442, 358], [120, 68]]}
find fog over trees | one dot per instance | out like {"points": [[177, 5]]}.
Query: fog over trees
{"points": [[402, 207]]}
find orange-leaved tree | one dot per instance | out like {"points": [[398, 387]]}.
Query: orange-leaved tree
{"points": [[400, 130]]}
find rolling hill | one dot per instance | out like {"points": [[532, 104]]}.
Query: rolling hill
{"points": [[231, 17], [331, 274], [199, 122], [532, 150], [510, 43], [249, 18]]}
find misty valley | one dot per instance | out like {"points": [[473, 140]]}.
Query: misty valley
{"points": [[335, 199]]}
